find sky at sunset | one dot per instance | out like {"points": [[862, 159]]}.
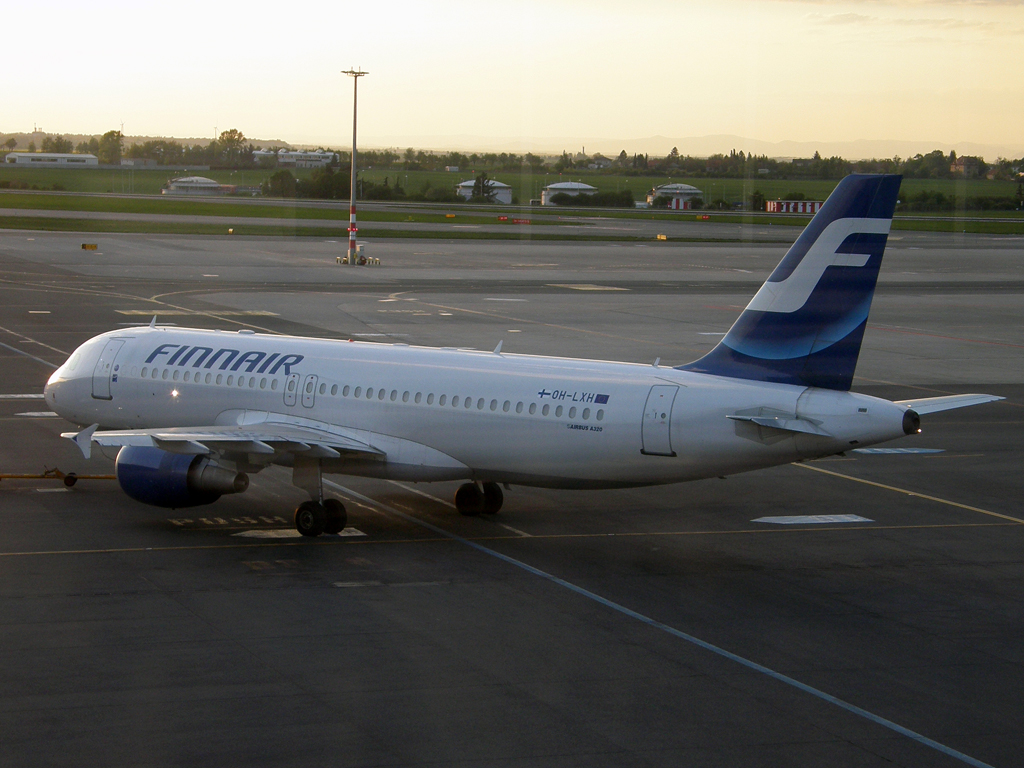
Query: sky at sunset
{"points": [[594, 71]]}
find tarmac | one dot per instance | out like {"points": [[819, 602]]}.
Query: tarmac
{"points": [[647, 627]]}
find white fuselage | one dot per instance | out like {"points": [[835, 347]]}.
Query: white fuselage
{"points": [[449, 414]]}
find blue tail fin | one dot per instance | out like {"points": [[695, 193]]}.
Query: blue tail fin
{"points": [[806, 323]]}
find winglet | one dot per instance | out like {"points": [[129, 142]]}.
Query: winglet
{"points": [[83, 439], [497, 349], [152, 323]]}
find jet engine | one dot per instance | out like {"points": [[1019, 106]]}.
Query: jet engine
{"points": [[175, 480]]}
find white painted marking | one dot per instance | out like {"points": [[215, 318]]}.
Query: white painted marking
{"points": [[39, 311], [709, 333], [52, 490], [358, 584], [179, 312], [36, 414], [31, 396], [586, 287], [505, 299], [288, 533], [812, 519], [211, 275], [898, 450], [513, 330], [516, 531]]}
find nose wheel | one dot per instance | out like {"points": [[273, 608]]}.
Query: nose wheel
{"points": [[313, 518]]}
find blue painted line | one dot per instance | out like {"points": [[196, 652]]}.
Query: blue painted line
{"points": [[753, 665], [47, 363]]}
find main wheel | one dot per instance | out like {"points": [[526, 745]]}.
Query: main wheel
{"points": [[493, 498], [469, 500], [310, 518], [337, 517]]}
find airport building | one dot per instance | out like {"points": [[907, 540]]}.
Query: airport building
{"points": [[571, 188], [289, 159], [52, 159], [793, 206], [502, 192], [680, 196]]}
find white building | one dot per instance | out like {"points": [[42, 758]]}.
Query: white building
{"points": [[286, 158], [195, 185], [502, 192], [571, 188], [55, 159], [679, 195]]}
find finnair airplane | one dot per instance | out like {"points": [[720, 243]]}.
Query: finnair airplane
{"points": [[191, 413]]}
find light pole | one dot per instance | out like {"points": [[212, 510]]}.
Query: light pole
{"points": [[355, 74]]}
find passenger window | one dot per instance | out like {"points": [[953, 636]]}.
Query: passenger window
{"points": [[558, 411], [533, 408], [394, 395], [572, 412], [145, 371], [430, 399], [176, 375], [273, 384], [291, 384], [480, 404], [600, 414], [241, 381], [417, 398], [380, 394], [405, 397], [163, 374], [369, 393], [231, 380], [220, 378], [442, 400], [346, 390], [469, 402], [455, 401], [586, 414], [359, 391], [154, 373], [519, 407], [334, 389], [263, 383], [252, 382], [545, 410], [323, 389], [187, 376], [208, 377], [505, 406]]}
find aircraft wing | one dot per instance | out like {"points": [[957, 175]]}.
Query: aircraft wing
{"points": [[946, 402], [267, 438]]}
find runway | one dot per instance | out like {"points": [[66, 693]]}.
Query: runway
{"points": [[661, 626]]}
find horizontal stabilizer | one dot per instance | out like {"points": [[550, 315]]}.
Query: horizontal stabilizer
{"points": [[786, 424], [946, 402]]}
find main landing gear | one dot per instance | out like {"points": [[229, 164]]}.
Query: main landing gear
{"points": [[318, 515], [313, 518], [474, 499]]}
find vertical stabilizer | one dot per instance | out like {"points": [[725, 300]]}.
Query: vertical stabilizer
{"points": [[806, 323]]}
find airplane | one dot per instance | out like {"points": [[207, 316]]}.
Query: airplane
{"points": [[191, 413]]}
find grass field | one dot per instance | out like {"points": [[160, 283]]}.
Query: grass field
{"points": [[525, 186]]}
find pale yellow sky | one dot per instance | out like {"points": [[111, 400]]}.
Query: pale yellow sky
{"points": [[543, 69]]}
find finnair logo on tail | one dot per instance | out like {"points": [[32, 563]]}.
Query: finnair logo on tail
{"points": [[791, 294]]}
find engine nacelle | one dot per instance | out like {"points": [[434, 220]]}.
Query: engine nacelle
{"points": [[174, 480]]}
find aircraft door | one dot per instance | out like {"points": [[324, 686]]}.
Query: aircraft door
{"points": [[657, 424], [309, 391], [291, 389], [106, 371]]}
